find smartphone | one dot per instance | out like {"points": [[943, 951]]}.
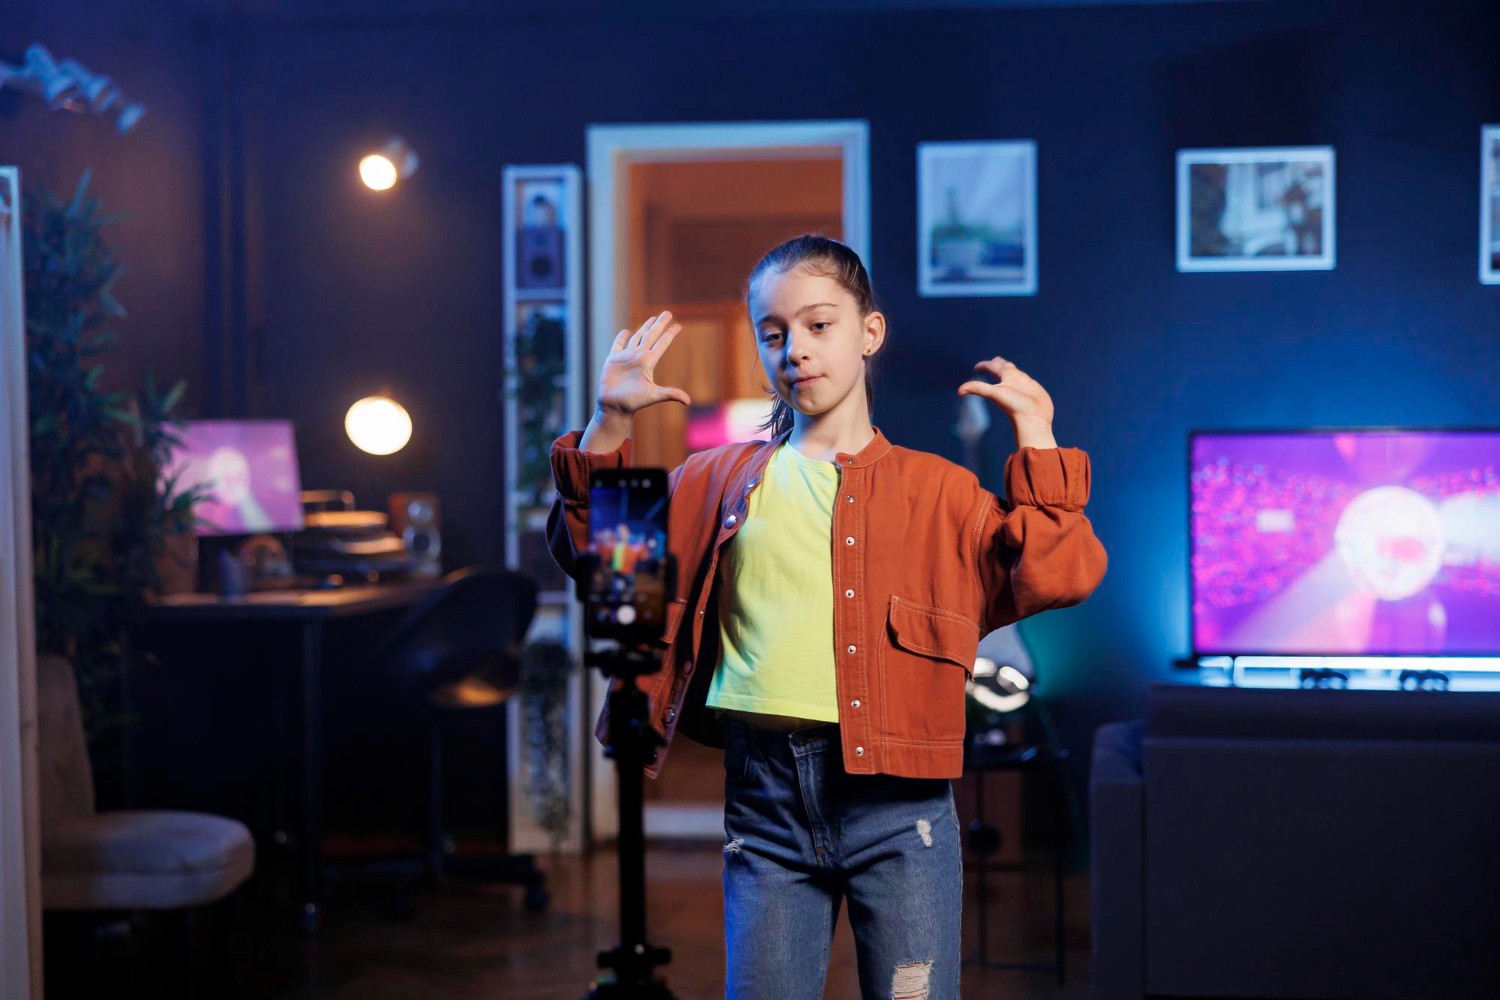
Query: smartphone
{"points": [[630, 576]]}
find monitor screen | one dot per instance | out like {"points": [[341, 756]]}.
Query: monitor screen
{"points": [[248, 469], [1345, 543]]}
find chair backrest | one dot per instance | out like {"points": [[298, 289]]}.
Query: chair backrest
{"points": [[477, 617], [66, 779]]}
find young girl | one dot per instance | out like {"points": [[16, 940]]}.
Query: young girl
{"points": [[832, 590]]}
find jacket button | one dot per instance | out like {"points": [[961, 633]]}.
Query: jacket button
{"points": [[671, 714], [854, 703], [859, 751], [851, 649], [730, 520], [848, 593], [850, 499], [849, 540]]}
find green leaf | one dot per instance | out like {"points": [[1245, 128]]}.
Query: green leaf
{"points": [[80, 193], [174, 396]]}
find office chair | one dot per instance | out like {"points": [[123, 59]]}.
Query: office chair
{"points": [[462, 644]]}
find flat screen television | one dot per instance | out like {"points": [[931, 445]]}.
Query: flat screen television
{"points": [[1359, 542], [249, 471]]}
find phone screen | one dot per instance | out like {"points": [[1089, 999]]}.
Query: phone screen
{"points": [[627, 594]]}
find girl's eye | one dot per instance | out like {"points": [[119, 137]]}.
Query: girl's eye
{"points": [[821, 324], [770, 337]]}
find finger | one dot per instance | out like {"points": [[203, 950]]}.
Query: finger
{"points": [[652, 330], [640, 334], [661, 341], [1006, 397], [665, 393], [996, 366], [975, 388], [620, 339]]}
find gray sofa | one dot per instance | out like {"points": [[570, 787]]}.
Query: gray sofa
{"points": [[1298, 844]]}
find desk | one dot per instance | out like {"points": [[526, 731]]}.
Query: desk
{"points": [[308, 609]]}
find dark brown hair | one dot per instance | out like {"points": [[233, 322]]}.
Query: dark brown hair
{"points": [[830, 259]]}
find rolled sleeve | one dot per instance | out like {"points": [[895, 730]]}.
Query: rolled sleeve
{"points": [[573, 467], [1040, 551], [568, 521], [1048, 477]]}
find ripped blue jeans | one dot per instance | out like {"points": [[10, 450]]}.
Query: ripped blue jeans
{"points": [[802, 835]]}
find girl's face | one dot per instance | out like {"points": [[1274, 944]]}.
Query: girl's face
{"points": [[813, 341]]}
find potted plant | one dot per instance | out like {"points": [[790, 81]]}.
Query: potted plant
{"points": [[545, 669], [102, 515]]}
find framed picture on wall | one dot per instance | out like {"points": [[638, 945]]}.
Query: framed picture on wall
{"points": [[976, 218], [1489, 205], [1255, 209], [541, 226]]}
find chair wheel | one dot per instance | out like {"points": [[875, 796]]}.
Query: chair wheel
{"points": [[402, 909], [983, 838], [536, 898]]}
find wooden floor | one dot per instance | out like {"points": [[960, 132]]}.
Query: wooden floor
{"points": [[467, 942]]}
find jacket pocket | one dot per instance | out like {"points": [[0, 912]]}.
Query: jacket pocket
{"points": [[929, 631]]}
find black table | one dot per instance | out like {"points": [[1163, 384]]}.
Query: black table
{"points": [[310, 610]]}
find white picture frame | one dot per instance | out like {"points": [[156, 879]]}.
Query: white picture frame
{"points": [[1260, 209], [976, 218], [1489, 205], [543, 342]]}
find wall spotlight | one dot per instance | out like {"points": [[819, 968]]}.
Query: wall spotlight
{"points": [[395, 161], [378, 425]]}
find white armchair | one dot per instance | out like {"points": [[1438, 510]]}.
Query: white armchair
{"points": [[127, 859]]}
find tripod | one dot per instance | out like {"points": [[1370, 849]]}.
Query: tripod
{"points": [[632, 744]]}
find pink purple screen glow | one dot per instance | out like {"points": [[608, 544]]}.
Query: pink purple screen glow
{"points": [[1357, 543], [249, 470]]}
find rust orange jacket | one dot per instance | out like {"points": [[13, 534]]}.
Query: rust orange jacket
{"points": [[925, 563]]}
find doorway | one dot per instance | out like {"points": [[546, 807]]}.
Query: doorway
{"points": [[678, 216]]}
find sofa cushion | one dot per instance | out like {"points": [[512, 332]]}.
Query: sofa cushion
{"points": [[143, 860]]}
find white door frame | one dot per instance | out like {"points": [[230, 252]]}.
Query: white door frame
{"points": [[611, 149], [20, 840]]}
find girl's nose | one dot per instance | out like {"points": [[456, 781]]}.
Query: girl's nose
{"points": [[796, 347]]}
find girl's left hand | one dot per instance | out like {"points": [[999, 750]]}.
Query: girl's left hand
{"points": [[1020, 396]]}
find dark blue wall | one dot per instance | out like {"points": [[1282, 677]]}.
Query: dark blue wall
{"points": [[153, 175], [347, 292], [405, 290]]}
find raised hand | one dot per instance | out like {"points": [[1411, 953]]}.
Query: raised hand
{"points": [[628, 384], [1020, 397]]}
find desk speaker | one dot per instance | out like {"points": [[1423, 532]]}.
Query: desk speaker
{"points": [[414, 516]]}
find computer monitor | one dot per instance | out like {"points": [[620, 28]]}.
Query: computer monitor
{"points": [[249, 472], [1358, 542]]}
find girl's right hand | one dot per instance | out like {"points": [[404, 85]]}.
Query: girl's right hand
{"points": [[627, 385]]}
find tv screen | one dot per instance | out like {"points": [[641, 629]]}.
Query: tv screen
{"points": [[1345, 542], [248, 469]]}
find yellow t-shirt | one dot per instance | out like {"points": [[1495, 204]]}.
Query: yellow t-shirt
{"points": [[776, 596]]}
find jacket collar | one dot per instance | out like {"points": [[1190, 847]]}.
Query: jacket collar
{"points": [[871, 453]]}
